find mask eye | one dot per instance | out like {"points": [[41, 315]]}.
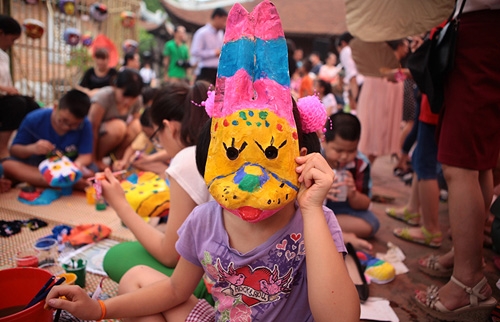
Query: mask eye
{"points": [[232, 152], [271, 152]]}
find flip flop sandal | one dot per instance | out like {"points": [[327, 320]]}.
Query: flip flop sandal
{"points": [[431, 240], [479, 309], [412, 219], [430, 266]]}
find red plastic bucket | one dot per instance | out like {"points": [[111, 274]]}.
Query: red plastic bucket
{"points": [[19, 286]]}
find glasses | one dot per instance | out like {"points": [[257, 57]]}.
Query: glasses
{"points": [[154, 137], [62, 121]]}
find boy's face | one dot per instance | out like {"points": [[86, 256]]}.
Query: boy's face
{"points": [[340, 152], [65, 121], [7, 40]]}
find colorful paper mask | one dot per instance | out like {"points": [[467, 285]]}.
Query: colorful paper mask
{"points": [[71, 36], [128, 19], [250, 168], [130, 46], [149, 196], [33, 28], [87, 39], [59, 172], [98, 11], [67, 7]]}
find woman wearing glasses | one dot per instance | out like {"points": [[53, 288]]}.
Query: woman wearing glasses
{"points": [[177, 117], [114, 114]]}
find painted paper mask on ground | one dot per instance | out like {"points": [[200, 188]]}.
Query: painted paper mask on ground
{"points": [[250, 167]]}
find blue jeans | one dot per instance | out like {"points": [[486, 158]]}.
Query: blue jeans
{"points": [[343, 208]]}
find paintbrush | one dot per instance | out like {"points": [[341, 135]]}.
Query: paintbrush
{"points": [[42, 294], [101, 176], [55, 151]]}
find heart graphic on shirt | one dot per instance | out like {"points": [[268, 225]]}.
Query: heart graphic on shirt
{"points": [[283, 244], [289, 255], [295, 237], [255, 286]]}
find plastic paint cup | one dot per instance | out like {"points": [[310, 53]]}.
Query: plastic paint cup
{"points": [[79, 268], [48, 251], [90, 194], [27, 258], [340, 176]]}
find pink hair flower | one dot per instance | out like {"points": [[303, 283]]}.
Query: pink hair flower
{"points": [[312, 113]]}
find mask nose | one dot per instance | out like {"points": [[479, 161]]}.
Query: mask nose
{"points": [[250, 178]]}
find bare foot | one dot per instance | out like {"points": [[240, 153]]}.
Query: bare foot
{"points": [[5, 185], [357, 243]]}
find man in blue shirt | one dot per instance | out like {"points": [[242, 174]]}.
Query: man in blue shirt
{"points": [[64, 129]]}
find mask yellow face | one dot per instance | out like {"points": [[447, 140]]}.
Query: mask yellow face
{"points": [[250, 168]]}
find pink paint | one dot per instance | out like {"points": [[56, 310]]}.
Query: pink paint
{"points": [[263, 22], [238, 92], [27, 261]]}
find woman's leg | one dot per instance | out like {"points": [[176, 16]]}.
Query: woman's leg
{"points": [[113, 133]]}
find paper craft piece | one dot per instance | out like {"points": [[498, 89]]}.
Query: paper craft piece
{"points": [[250, 168], [101, 41], [378, 309], [87, 39], [45, 198], [130, 46], [98, 11], [128, 19], [149, 196], [33, 28], [71, 36], [67, 7], [59, 172], [87, 234]]}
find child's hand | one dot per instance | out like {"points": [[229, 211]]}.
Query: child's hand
{"points": [[77, 302], [316, 178], [334, 191], [351, 185], [42, 147], [119, 165], [112, 190]]}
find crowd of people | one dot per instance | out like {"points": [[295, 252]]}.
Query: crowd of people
{"points": [[105, 116]]}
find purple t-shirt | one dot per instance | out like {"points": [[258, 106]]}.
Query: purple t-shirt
{"points": [[268, 283]]}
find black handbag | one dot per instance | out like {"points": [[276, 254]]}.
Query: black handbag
{"points": [[434, 59]]}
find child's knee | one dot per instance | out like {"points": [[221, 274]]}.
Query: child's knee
{"points": [[117, 129]]}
